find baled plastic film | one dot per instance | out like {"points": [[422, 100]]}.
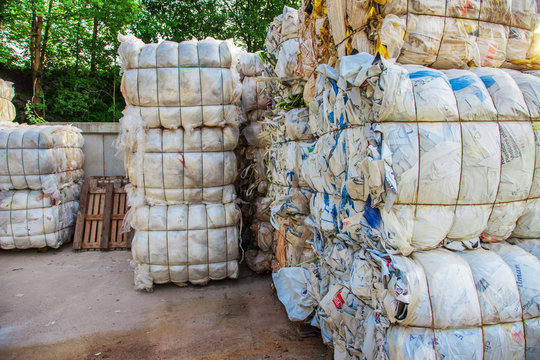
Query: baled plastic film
{"points": [[177, 165], [7, 110], [33, 219], [187, 243], [250, 64], [40, 157]]}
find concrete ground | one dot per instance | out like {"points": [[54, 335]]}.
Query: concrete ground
{"points": [[63, 304]]}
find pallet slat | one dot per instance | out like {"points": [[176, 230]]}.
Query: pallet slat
{"points": [[101, 213]]}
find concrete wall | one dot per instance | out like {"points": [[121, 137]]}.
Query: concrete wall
{"points": [[99, 150]]}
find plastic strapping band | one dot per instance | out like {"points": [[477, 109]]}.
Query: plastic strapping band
{"points": [[140, 127], [430, 308], [39, 165], [162, 171], [22, 158], [419, 149], [182, 130], [461, 162], [159, 116], [43, 216], [201, 145], [442, 35], [148, 239], [500, 170], [188, 224], [223, 163], [26, 209], [535, 134], [7, 160]]}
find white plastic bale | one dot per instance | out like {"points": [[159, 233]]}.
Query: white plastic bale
{"points": [[187, 117], [253, 94], [495, 285], [418, 343], [7, 91], [479, 96], [286, 161], [180, 84], [176, 165], [530, 245], [451, 286], [297, 124], [40, 157], [532, 337], [526, 268], [250, 64], [186, 243], [7, 110], [32, 219]]}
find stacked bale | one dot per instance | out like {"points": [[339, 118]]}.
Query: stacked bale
{"points": [[253, 183], [40, 176], [7, 110], [290, 141], [410, 159], [440, 34], [178, 134]]}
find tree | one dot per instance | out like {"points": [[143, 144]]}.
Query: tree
{"points": [[182, 20], [249, 19]]}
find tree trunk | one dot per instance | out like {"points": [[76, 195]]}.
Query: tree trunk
{"points": [[93, 49], [78, 45], [47, 33], [35, 55]]}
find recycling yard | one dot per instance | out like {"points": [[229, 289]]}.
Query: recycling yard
{"points": [[66, 305]]}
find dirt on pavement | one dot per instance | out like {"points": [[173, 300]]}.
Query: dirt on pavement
{"points": [[67, 305]]}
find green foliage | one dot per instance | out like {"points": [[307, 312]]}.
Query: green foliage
{"points": [[79, 76], [250, 19], [32, 116], [79, 97]]}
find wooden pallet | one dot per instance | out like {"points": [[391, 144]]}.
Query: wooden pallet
{"points": [[102, 207]]}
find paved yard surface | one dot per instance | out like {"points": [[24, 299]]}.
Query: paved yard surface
{"points": [[66, 305]]}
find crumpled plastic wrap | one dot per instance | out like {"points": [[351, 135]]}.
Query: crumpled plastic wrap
{"points": [[178, 136], [33, 219], [7, 110], [446, 156], [43, 158]]}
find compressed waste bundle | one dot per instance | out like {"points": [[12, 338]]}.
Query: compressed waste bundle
{"points": [[443, 34], [479, 304], [252, 184], [178, 135], [290, 140], [448, 157], [408, 159], [40, 177], [40, 157], [7, 110], [32, 219]]}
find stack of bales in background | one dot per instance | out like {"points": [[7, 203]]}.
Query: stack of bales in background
{"points": [[441, 34], [40, 180], [253, 182], [419, 177], [7, 110], [290, 141], [178, 134], [423, 159]]}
